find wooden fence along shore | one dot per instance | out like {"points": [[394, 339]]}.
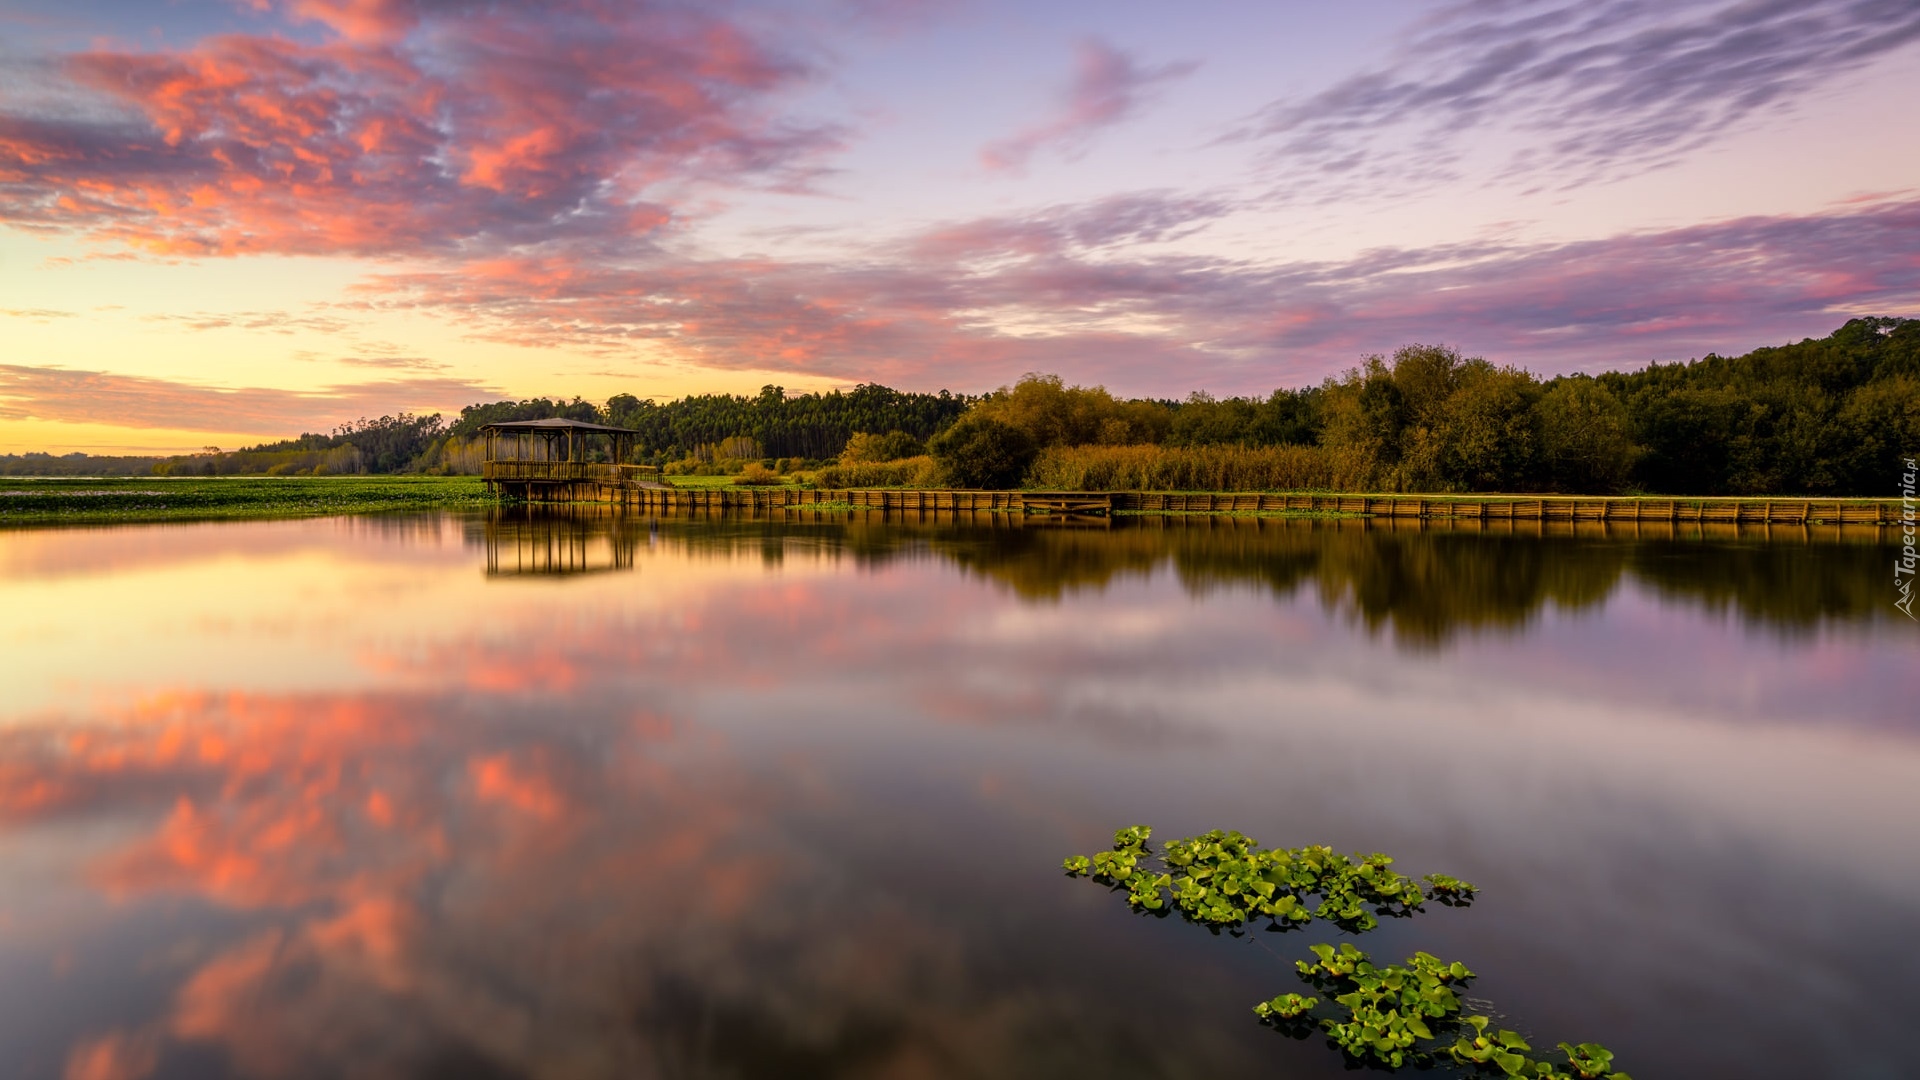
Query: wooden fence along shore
{"points": [[1537, 508], [1485, 508]]}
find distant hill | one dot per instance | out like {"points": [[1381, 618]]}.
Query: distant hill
{"points": [[35, 464]]}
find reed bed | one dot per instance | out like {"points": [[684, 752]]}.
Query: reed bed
{"points": [[1198, 468]]}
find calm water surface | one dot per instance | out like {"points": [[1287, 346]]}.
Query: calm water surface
{"points": [[390, 797]]}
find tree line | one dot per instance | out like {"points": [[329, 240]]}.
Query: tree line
{"points": [[1826, 416], [809, 426]]}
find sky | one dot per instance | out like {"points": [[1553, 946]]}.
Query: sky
{"points": [[224, 222]]}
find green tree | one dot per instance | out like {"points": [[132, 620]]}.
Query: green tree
{"points": [[1364, 413], [1881, 424], [1485, 432], [892, 446], [1051, 413], [1691, 436], [1586, 445]]}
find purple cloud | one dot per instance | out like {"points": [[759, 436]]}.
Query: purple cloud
{"points": [[1108, 87], [959, 305], [1596, 88]]}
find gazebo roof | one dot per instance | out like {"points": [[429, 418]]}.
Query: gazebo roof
{"points": [[554, 424]]}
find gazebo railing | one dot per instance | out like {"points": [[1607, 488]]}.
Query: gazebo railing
{"points": [[565, 471]]}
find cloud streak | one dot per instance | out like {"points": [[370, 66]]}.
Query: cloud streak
{"points": [[134, 401], [1108, 87], [1592, 90]]}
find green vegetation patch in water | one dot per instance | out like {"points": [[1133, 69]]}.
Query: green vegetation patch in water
{"points": [[1383, 1017], [111, 500], [1225, 880]]}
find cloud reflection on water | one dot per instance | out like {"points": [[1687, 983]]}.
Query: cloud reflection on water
{"points": [[785, 800]]}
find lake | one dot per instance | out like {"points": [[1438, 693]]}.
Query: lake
{"points": [[559, 797]]}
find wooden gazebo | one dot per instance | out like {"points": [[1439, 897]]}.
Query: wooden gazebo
{"points": [[561, 460]]}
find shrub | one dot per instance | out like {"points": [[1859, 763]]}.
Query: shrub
{"points": [[893, 446], [979, 451], [757, 475], [911, 472]]}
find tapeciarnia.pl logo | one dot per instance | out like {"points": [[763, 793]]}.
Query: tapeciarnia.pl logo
{"points": [[1903, 566]]}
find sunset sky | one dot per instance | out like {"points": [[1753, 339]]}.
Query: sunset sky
{"points": [[228, 221]]}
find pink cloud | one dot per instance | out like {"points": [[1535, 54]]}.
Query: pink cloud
{"points": [[1108, 87], [955, 306], [421, 127], [359, 20], [930, 312]]}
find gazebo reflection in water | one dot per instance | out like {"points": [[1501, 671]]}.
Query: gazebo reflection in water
{"points": [[525, 541]]}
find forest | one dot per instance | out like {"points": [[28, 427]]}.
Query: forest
{"points": [[1826, 416]]}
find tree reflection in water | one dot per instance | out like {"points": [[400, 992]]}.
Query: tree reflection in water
{"points": [[1421, 582]]}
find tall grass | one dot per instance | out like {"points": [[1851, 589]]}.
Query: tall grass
{"points": [[907, 472], [1196, 468]]}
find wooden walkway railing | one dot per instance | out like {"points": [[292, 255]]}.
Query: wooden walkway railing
{"points": [[565, 472]]}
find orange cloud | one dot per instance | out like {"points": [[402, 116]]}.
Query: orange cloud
{"points": [[137, 401], [383, 946], [498, 778], [117, 1055]]}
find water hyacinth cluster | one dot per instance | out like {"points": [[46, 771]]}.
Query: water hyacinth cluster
{"points": [[1380, 1016], [1224, 880], [1388, 1010]]}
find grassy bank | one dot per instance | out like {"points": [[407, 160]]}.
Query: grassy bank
{"points": [[155, 498]]}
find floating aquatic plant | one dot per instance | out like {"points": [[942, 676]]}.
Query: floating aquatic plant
{"points": [[1387, 1017], [1224, 880]]}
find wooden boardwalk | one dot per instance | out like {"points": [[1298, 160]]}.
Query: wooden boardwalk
{"points": [[625, 491], [1533, 507]]}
